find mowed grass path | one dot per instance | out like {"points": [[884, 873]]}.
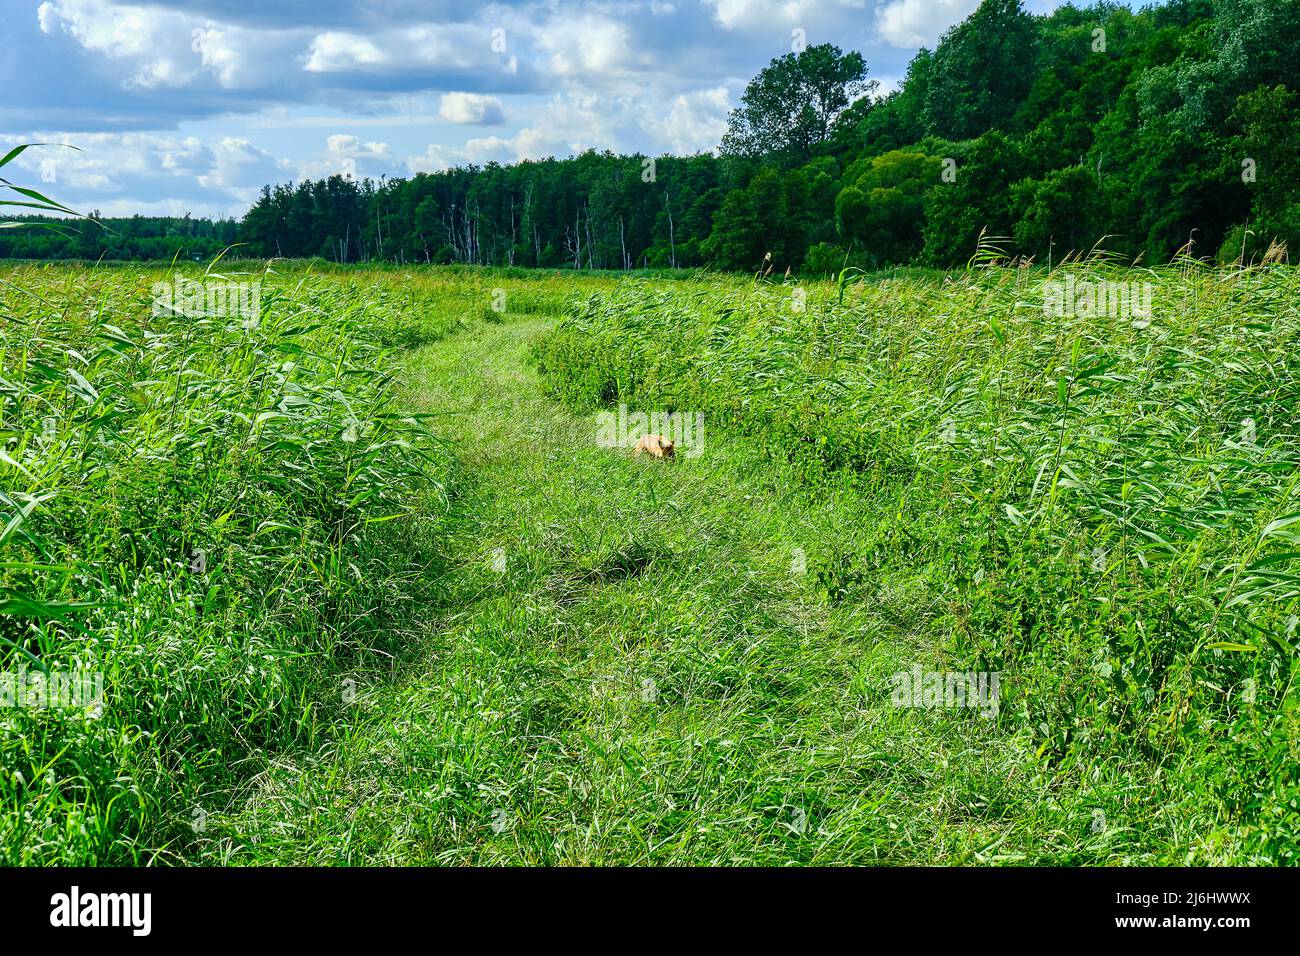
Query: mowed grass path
{"points": [[650, 681]]}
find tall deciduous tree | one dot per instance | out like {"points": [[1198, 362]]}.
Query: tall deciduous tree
{"points": [[981, 71], [789, 108]]}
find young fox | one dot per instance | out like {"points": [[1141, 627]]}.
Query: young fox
{"points": [[654, 445]]}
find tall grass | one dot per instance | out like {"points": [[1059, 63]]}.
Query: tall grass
{"points": [[1106, 507], [213, 514]]}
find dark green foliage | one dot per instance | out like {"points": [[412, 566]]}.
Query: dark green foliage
{"points": [[978, 77], [787, 110], [882, 209], [138, 237]]}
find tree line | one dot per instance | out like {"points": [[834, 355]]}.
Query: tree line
{"points": [[1141, 132], [122, 238]]}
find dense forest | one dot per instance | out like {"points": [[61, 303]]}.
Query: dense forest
{"points": [[134, 237], [1139, 131]]}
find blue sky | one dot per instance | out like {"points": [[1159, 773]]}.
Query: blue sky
{"points": [[192, 105]]}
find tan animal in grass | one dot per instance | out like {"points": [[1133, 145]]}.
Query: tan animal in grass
{"points": [[657, 446]]}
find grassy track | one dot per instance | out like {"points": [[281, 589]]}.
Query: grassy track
{"points": [[209, 514], [650, 680]]}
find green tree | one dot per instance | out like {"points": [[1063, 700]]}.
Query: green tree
{"points": [[753, 222], [1267, 144], [981, 71], [977, 199], [788, 109], [882, 208], [1053, 215]]}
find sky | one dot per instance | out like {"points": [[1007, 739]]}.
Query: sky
{"points": [[191, 106]]}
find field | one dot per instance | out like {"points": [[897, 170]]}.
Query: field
{"points": [[364, 585]]}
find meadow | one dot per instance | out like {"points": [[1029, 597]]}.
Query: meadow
{"points": [[218, 516], [363, 587]]}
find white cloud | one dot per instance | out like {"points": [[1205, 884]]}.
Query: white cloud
{"points": [[347, 155], [908, 24], [571, 124], [888, 84], [240, 168], [574, 122], [429, 47], [762, 14], [240, 58], [586, 45], [695, 122], [567, 124], [228, 172], [345, 144], [48, 17], [471, 108], [100, 26], [334, 52], [167, 49], [158, 73], [157, 41]]}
